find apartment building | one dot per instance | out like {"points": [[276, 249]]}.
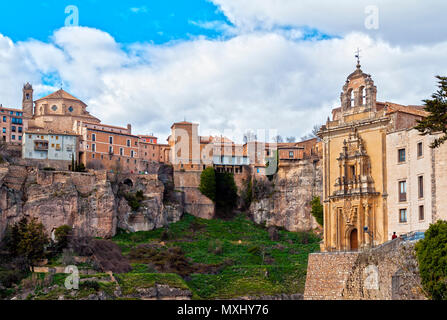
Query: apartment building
{"points": [[109, 147], [416, 177], [53, 149], [12, 125]]}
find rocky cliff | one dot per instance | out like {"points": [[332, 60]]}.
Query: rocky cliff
{"points": [[93, 203], [285, 201]]}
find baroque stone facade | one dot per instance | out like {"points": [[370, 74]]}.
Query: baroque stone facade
{"points": [[355, 165]]}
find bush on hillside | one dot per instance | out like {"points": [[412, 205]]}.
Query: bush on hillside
{"points": [[208, 183], [432, 257], [317, 210]]}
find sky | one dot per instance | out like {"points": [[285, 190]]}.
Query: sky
{"points": [[230, 65]]}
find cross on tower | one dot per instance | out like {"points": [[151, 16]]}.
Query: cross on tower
{"points": [[357, 55]]}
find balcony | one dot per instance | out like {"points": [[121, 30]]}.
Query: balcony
{"points": [[40, 145]]}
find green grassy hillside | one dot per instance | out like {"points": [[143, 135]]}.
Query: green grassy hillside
{"points": [[223, 259]]}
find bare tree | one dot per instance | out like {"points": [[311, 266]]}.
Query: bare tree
{"points": [[290, 139], [250, 136], [278, 139]]}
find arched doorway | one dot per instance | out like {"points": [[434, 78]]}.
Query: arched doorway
{"points": [[354, 240]]}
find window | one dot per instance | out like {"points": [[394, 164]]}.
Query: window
{"points": [[128, 143], [110, 149], [402, 191], [13, 137], [401, 155], [290, 154], [131, 154], [54, 108], [20, 129], [111, 140], [421, 213], [4, 119], [4, 130], [352, 172], [20, 138], [421, 186], [420, 151], [121, 151], [93, 156], [93, 147], [13, 129], [403, 215], [70, 109], [93, 137]]}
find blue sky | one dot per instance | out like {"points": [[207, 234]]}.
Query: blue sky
{"points": [[127, 21], [226, 64]]}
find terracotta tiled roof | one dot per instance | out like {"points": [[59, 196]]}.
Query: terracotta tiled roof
{"points": [[60, 94], [414, 110]]}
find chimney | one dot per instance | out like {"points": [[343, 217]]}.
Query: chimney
{"points": [[129, 127]]}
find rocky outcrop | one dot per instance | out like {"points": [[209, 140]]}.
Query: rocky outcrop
{"points": [[93, 203], [287, 204], [153, 212]]}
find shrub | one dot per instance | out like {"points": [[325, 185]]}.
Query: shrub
{"points": [[135, 200], [28, 240], [62, 235], [431, 254], [208, 183], [89, 285], [317, 210]]}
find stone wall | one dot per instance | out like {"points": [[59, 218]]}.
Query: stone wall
{"points": [[387, 272], [288, 205], [195, 203]]}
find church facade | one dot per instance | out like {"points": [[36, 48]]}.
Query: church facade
{"points": [[355, 186]]}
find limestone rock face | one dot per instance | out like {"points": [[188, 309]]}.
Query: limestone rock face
{"points": [[153, 213], [88, 202], [288, 205]]}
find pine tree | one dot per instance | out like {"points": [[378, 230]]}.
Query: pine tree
{"points": [[436, 121]]}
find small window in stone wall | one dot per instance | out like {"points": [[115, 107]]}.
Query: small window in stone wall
{"points": [[403, 215], [54, 108]]}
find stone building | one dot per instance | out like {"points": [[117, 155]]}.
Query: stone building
{"points": [[417, 178], [355, 169], [56, 112]]}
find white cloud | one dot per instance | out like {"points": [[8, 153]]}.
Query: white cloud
{"points": [[251, 81], [142, 9], [400, 21]]}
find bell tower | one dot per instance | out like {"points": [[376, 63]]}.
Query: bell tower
{"points": [[27, 101], [359, 92]]}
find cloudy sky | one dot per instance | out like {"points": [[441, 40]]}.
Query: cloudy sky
{"points": [[227, 64]]}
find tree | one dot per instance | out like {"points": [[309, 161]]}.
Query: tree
{"points": [[208, 183], [278, 139], [28, 239], [290, 139], [226, 193], [317, 210], [431, 254], [250, 136], [436, 121]]}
